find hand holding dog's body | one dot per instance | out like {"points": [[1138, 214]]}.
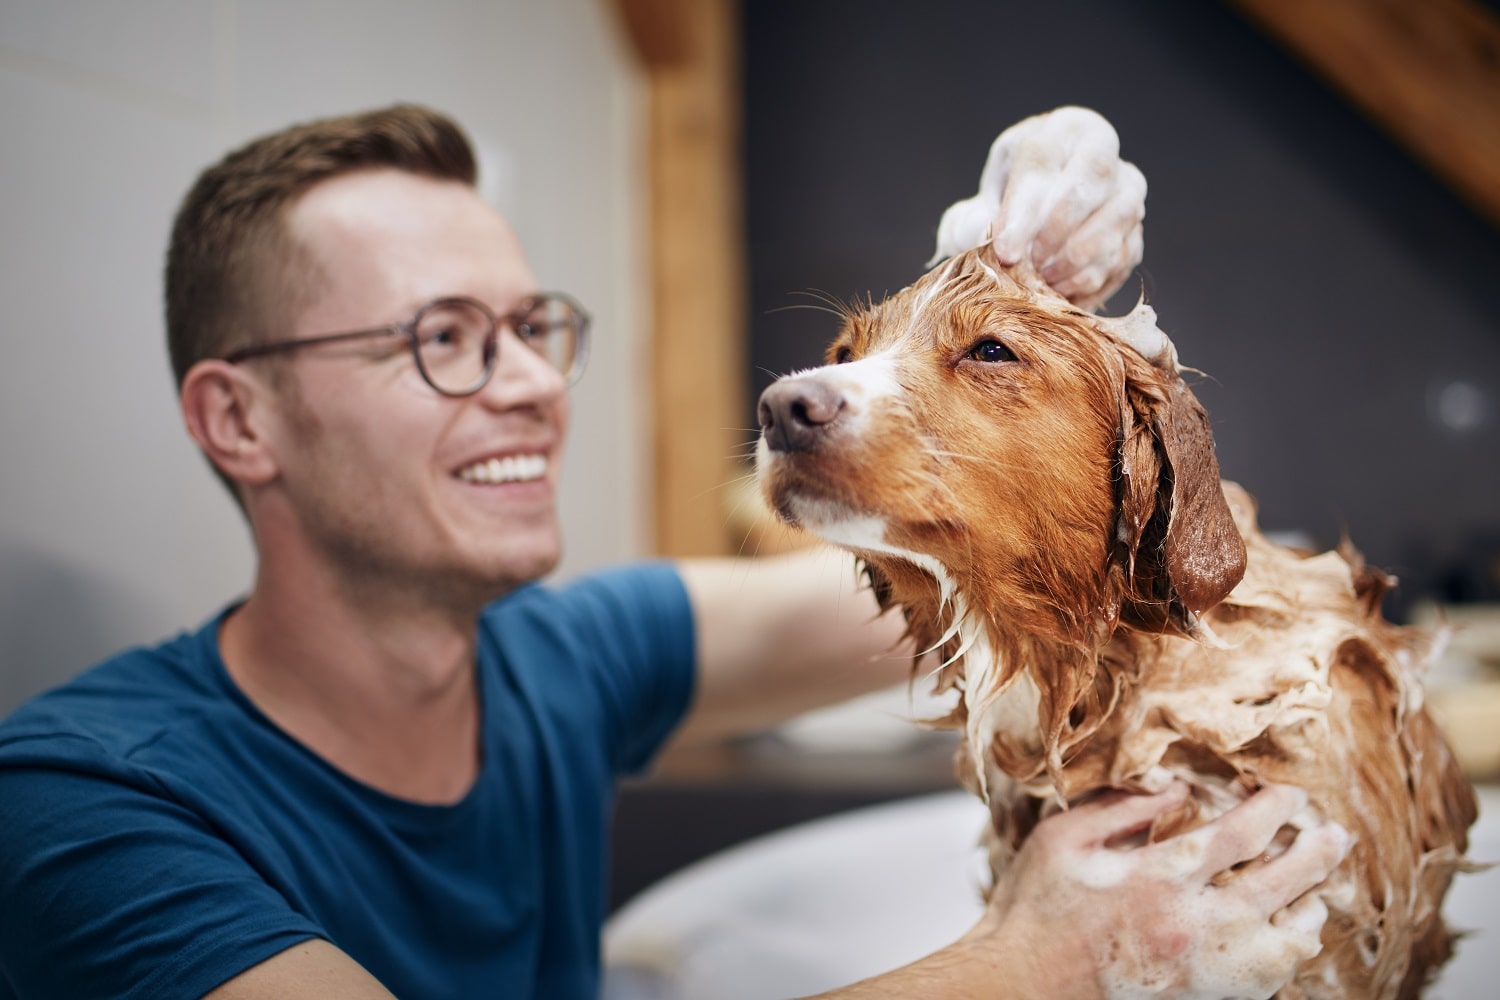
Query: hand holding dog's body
{"points": [[1076, 917], [1160, 920]]}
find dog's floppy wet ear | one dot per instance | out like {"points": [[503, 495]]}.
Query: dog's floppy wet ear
{"points": [[1205, 556], [1179, 552]]}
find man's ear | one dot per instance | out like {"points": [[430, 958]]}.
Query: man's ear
{"points": [[225, 410]]}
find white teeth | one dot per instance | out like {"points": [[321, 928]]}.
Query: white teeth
{"points": [[510, 469]]}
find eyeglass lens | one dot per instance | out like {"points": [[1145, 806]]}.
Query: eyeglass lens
{"points": [[451, 339], [552, 328], [450, 343]]}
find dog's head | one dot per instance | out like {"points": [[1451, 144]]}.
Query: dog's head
{"points": [[976, 435]]}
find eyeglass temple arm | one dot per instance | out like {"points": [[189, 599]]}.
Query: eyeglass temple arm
{"points": [[275, 346]]}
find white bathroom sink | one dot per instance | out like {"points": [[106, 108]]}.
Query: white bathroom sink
{"points": [[833, 901]]}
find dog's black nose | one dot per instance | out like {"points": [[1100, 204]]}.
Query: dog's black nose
{"points": [[794, 412]]}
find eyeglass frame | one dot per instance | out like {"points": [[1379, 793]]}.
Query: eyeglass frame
{"points": [[514, 320]]}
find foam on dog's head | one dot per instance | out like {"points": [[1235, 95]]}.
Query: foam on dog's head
{"points": [[1138, 330]]}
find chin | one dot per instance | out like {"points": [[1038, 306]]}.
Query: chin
{"points": [[519, 565]]}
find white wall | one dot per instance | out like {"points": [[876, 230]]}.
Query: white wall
{"points": [[112, 530]]}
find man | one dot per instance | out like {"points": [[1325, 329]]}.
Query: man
{"points": [[341, 787]]}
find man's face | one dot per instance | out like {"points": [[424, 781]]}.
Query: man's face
{"points": [[377, 467]]}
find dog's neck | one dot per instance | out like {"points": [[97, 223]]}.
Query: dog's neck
{"points": [[1029, 699]]}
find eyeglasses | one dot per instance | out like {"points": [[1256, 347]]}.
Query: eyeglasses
{"points": [[456, 341]]}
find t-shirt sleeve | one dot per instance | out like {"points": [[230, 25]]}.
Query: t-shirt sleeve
{"points": [[636, 636], [108, 889]]}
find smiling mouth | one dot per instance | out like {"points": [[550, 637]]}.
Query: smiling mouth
{"points": [[510, 469]]}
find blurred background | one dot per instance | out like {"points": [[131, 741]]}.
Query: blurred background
{"points": [[1322, 241]]}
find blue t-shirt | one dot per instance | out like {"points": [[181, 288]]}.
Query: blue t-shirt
{"points": [[159, 835]]}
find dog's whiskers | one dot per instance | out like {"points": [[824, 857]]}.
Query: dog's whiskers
{"points": [[823, 301], [959, 456]]}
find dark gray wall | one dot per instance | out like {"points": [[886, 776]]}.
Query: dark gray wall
{"points": [[1328, 285]]}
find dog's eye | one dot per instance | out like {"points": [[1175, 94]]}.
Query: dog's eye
{"points": [[844, 356], [991, 351]]}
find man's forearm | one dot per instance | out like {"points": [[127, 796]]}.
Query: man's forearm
{"points": [[783, 635], [984, 963]]}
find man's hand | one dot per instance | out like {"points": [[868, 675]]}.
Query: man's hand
{"points": [[1152, 921], [1055, 189], [1075, 917]]}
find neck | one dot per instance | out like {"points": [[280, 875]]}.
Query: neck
{"points": [[1034, 686], [380, 686], [1030, 702]]}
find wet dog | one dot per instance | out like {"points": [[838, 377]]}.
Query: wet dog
{"points": [[1036, 487]]}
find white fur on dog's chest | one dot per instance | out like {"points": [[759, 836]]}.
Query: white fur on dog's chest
{"points": [[1011, 712]]}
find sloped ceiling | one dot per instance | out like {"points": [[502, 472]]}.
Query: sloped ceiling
{"points": [[1427, 72]]}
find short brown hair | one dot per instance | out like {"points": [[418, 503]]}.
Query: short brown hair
{"points": [[231, 268]]}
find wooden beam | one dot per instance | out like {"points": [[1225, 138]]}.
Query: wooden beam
{"points": [[659, 30], [691, 52], [1427, 71]]}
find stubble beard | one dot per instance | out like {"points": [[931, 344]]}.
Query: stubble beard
{"points": [[404, 561]]}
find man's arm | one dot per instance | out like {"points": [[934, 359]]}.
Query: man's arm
{"points": [[313, 968], [783, 635]]}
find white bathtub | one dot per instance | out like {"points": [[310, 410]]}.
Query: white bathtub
{"points": [[834, 901]]}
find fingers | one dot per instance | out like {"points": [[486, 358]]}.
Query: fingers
{"points": [[1091, 287], [1049, 195], [1116, 815], [1031, 196], [1270, 955], [1244, 831], [1080, 221], [1304, 918], [1097, 256], [1055, 191], [1088, 186], [1311, 858], [1056, 170]]}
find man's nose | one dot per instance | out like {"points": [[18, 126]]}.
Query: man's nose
{"points": [[521, 374], [795, 412]]}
